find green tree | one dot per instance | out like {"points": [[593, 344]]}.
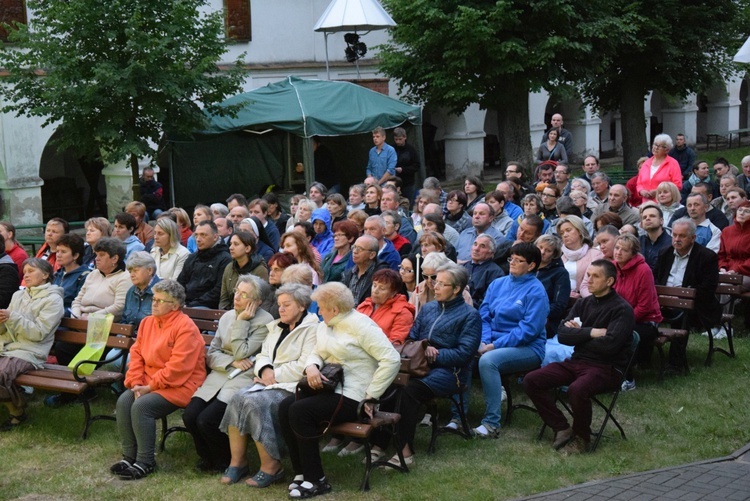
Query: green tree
{"points": [[117, 74], [453, 53], [674, 47]]}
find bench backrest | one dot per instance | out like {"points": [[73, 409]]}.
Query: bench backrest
{"points": [[682, 298], [206, 320], [730, 284], [73, 330]]}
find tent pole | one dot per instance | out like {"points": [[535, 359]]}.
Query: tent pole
{"points": [[171, 175], [328, 70], [420, 150]]}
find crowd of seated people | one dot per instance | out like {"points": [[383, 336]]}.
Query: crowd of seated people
{"points": [[499, 280]]}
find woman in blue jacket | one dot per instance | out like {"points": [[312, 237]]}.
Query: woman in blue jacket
{"points": [[513, 314]]}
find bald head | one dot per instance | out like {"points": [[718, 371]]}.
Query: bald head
{"points": [[432, 209], [618, 195]]}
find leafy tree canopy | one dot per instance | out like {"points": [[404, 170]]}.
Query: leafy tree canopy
{"points": [[116, 74]]}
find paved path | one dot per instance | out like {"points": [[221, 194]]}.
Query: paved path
{"points": [[726, 478]]}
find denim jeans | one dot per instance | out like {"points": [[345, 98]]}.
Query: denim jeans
{"points": [[492, 365]]}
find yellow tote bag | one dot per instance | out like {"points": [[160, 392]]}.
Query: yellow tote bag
{"points": [[99, 325]]}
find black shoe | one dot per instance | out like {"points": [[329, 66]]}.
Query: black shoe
{"points": [[12, 422], [121, 466], [310, 489], [59, 400], [207, 466], [137, 471]]}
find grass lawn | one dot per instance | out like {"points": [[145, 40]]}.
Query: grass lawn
{"points": [[683, 419]]}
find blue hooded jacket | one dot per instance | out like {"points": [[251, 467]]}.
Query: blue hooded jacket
{"points": [[514, 313], [322, 241]]}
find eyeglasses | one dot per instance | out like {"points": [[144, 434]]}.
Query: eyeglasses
{"points": [[660, 146], [743, 210], [161, 301], [548, 195], [243, 295], [440, 285], [430, 277], [405, 270], [514, 259], [357, 248]]}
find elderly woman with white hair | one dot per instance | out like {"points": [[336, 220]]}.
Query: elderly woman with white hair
{"points": [[168, 253], [370, 365], [167, 365], [219, 210], [142, 269], [230, 357], [253, 412], [668, 200], [304, 212], [578, 252], [659, 168]]}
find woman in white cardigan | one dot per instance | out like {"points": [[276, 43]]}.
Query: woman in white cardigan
{"points": [[278, 368], [370, 364], [170, 255], [105, 288], [238, 339]]}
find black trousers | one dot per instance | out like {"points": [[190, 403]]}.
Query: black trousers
{"points": [[648, 334], [413, 395], [301, 426], [202, 420]]}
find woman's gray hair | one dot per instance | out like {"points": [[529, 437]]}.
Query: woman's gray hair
{"points": [[535, 198], [170, 228], [299, 293], [635, 244], [141, 259], [334, 295], [220, 208], [260, 288], [664, 138], [554, 242], [298, 274], [435, 260], [172, 288], [459, 275], [584, 182], [41, 265], [307, 203], [577, 223]]}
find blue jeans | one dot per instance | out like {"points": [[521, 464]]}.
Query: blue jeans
{"points": [[492, 365]]}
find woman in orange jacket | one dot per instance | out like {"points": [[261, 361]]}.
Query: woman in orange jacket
{"points": [[167, 365]]}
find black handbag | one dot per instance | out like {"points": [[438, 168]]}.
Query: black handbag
{"points": [[334, 373]]}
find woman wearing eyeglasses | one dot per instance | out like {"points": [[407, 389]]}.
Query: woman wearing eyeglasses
{"points": [[659, 168], [167, 365], [514, 313], [239, 337]]}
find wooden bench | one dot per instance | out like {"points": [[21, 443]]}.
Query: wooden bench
{"points": [[362, 431], [717, 139], [679, 300], [739, 133], [729, 291], [61, 379]]}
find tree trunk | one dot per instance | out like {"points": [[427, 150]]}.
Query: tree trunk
{"points": [[513, 127], [633, 119], [136, 177]]}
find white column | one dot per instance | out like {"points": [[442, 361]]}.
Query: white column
{"points": [[681, 117], [464, 143], [119, 182], [537, 107], [723, 108], [585, 131]]}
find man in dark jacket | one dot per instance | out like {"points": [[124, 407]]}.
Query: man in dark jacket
{"points": [[482, 269], [366, 262], [600, 327], [688, 264], [201, 275]]}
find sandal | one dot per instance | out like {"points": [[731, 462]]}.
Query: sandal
{"points": [[395, 461], [233, 474], [296, 481], [13, 422], [263, 479], [308, 489], [137, 471], [121, 466], [374, 457]]}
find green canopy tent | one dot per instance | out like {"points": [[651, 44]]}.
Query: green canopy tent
{"points": [[269, 138]]}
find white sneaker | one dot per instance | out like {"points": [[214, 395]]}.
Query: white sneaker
{"points": [[719, 333], [503, 396], [483, 431], [426, 420], [453, 425]]}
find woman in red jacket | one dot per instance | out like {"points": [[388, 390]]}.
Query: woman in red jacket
{"points": [[734, 250], [167, 365], [388, 307], [635, 283], [659, 168]]}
